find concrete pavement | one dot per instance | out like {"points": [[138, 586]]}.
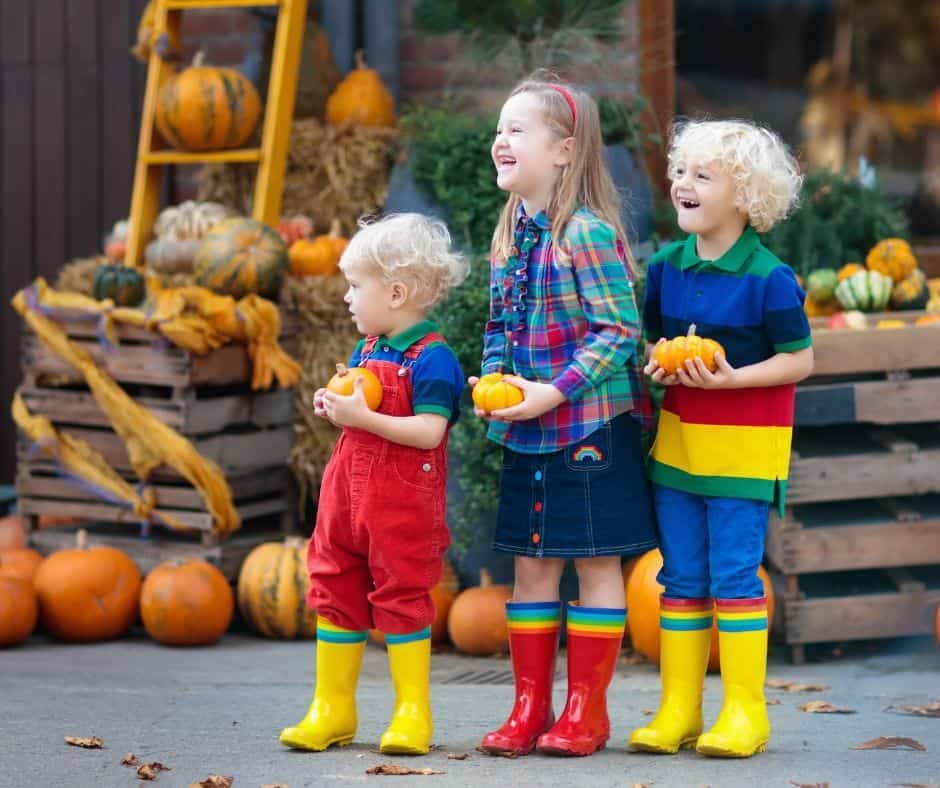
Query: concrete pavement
{"points": [[219, 710]]}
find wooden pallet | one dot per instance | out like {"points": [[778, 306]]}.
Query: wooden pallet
{"points": [[883, 398]]}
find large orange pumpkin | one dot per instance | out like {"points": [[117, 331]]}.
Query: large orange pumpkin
{"points": [[205, 108], [477, 620], [442, 595], [272, 590], [12, 532], [88, 593], [20, 562], [240, 256], [643, 592], [361, 99], [344, 384], [186, 603], [18, 610]]}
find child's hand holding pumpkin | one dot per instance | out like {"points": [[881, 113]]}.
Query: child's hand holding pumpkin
{"points": [[345, 411], [539, 398], [695, 374], [656, 372]]}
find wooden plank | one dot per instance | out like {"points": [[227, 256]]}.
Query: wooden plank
{"points": [[867, 475], [872, 402], [860, 617], [846, 352], [798, 551], [87, 510], [64, 406]]}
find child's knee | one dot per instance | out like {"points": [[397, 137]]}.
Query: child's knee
{"points": [[535, 576]]}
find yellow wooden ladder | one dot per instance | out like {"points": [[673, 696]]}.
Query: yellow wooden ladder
{"points": [[271, 157]]}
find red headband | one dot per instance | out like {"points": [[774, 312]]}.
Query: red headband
{"points": [[567, 97]]}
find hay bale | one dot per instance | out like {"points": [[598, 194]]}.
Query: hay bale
{"points": [[327, 335], [77, 276], [333, 172]]}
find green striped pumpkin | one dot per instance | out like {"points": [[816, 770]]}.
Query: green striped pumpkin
{"points": [[867, 291], [205, 108], [240, 256], [272, 591]]}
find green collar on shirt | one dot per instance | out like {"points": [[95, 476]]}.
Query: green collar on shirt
{"points": [[405, 339], [731, 261]]}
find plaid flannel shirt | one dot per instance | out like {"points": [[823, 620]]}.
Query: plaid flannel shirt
{"points": [[575, 326]]}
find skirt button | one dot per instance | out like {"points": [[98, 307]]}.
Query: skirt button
{"points": [[536, 538]]}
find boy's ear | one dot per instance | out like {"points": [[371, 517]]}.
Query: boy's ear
{"points": [[399, 294]]}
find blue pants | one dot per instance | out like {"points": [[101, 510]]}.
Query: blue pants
{"points": [[712, 547]]}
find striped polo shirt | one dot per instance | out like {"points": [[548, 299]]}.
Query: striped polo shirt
{"points": [[732, 443]]}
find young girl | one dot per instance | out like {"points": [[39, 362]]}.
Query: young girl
{"points": [[723, 445], [564, 325]]}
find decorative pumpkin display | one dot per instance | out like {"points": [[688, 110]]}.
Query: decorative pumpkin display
{"points": [[12, 532], [122, 284], [294, 228], [890, 324], [853, 320], [477, 620], [167, 256], [813, 308], [911, 293], [672, 354], [643, 592], [927, 320], [867, 291], [240, 256], [20, 562], [204, 108], [18, 610], [272, 590], [87, 593], [892, 257], [821, 285], [361, 99], [344, 384], [190, 220], [850, 269], [186, 603], [492, 392], [319, 257]]}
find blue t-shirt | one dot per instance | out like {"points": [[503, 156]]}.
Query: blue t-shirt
{"points": [[436, 378]]}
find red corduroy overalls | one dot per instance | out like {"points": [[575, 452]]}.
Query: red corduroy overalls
{"points": [[381, 530]]}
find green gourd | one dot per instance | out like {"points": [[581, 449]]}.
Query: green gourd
{"points": [[122, 284]]}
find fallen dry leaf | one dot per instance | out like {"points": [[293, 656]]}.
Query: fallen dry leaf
{"points": [[391, 768], [773, 701], [89, 743], [649, 712], [149, 771], [891, 743], [633, 658], [930, 710], [129, 760], [640, 785], [809, 785], [795, 686], [458, 756], [214, 781], [275, 785], [824, 707]]}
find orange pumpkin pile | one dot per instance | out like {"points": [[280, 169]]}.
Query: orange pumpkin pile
{"points": [[477, 621], [344, 384], [673, 353], [186, 603], [18, 610], [20, 562], [492, 392], [87, 593]]}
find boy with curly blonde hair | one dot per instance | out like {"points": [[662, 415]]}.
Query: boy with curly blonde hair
{"points": [[722, 448], [380, 534]]}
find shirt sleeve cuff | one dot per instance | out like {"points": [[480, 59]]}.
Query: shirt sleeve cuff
{"points": [[572, 383], [792, 347], [491, 366], [437, 410]]}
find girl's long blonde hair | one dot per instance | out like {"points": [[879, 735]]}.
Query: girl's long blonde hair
{"points": [[585, 181]]}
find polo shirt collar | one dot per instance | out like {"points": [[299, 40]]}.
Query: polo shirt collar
{"points": [[731, 261], [404, 340], [540, 219]]}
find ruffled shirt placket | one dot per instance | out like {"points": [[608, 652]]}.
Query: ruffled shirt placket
{"points": [[515, 283]]}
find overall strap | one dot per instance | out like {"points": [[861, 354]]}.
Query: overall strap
{"points": [[368, 347], [431, 338]]}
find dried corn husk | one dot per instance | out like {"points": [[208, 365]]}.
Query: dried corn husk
{"points": [[332, 172], [327, 336]]}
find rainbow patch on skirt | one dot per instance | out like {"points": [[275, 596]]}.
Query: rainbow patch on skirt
{"points": [[588, 452]]}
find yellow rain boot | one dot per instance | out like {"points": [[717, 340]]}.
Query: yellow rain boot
{"points": [[685, 636], [742, 728], [331, 718], [409, 659]]}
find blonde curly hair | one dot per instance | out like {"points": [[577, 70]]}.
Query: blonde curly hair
{"points": [[768, 177], [410, 248]]}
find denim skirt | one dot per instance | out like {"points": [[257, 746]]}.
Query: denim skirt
{"points": [[588, 499]]}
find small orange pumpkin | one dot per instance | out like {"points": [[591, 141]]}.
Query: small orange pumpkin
{"points": [[477, 620], [672, 354], [813, 308], [203, 108], [20, 562], [892, 257], [186, 603], [12, 532], [319, 257], [344, 384], [86, 593], [18, 610], [492, 392], [361, 98]]}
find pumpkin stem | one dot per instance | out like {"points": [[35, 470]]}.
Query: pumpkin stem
{"points": [[81, 539], [336, 229], [342, 370], [691, 330], [486, 579], [199, 59], [360, 59]]}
